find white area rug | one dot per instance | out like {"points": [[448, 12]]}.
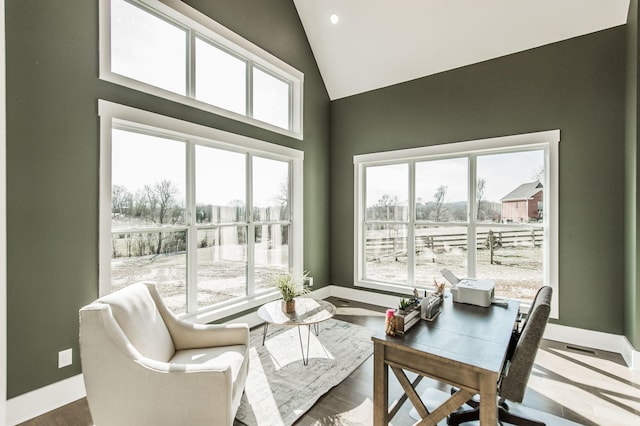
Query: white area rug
{"points": [[280, 389]]}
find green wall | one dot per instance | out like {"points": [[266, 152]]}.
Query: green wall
{"points": [[576, 86], [53, 155], [632, 285]]}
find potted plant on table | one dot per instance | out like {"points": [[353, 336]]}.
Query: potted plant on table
{"points": [[291, 287], [407, 314]]}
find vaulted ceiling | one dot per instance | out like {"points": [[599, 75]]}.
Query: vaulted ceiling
{"points": [[378, 43]]}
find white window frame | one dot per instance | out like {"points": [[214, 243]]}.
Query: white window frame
{"points": [[196, 23], [546, 140], [124, 116]]}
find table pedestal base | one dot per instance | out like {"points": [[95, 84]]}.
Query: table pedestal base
{"points": [[305, 354]]}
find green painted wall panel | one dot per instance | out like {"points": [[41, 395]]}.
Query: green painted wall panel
{"points": [[576, 86], [53, 157], [632, 295]]}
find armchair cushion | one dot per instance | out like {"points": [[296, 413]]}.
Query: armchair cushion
{"points": [[217, 358], [136, 313]]}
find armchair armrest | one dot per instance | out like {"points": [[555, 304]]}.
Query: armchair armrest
{"points": [[187, 335]]}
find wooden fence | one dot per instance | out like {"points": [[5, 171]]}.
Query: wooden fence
{"points": [[383, 247]]}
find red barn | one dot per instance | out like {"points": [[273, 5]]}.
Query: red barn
{"points": [[523, 204]]}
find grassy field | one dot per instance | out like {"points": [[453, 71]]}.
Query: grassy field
{"points": [[518, 273], [218, 279]]}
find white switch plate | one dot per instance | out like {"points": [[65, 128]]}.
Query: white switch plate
{"points": [[310, 281], [65, 358]]}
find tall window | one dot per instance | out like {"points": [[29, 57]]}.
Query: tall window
{"points": [[174, 52], [484, 209], [148, 221], [211, 222]]}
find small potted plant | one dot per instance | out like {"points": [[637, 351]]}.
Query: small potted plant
{"points": [[404, 304], [291, 287], [406, 314]]}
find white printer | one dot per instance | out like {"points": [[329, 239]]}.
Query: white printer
{"points": [[471, 291], [474, 292]]}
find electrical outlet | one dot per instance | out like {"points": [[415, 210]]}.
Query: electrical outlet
{"points": [[65, 358], [310, 281]]}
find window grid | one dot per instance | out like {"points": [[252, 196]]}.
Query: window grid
{"points": [[472, 224], [294, 81], [191, 227], [544, 142]]}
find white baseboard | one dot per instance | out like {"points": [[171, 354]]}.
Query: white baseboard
{"points": [[323, 292], [378, 299], [40, 401], [48, 398], [630, 355], [595, 340]]}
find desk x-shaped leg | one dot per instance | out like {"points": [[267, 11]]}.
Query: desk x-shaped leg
{"points": [[456, 400]]}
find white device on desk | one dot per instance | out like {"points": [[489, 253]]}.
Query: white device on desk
{"points": [[467, 290]]}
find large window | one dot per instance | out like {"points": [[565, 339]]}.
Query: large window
{"points": [[168, 49], [484, 209], [209, 216]]}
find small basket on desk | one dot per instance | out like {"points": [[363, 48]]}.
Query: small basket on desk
{"points": [[405, 319]]}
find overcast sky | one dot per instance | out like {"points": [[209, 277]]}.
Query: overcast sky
{"points": [[138, 160], [503, 173]]}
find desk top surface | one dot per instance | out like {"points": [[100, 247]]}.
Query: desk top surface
{"points": [[462, 333]]}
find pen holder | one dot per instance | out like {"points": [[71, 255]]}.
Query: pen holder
{"points": [[430, 307]]}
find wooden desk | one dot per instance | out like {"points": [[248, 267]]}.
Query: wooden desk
{"points": [[465, 346]]}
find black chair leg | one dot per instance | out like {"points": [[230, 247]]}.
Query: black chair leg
{"points": [[509, 417], [471, 402], [463, 416]]}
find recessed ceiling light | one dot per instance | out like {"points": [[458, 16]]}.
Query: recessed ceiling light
{"points": [[334, 19]]}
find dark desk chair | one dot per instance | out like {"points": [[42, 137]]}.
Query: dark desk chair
{"points": [[520, 359]]}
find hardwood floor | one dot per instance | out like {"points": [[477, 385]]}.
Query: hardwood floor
{"points": [[575, 384]]}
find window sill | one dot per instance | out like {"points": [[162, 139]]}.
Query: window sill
{"points": [[387, 287], [236, 306], [185, 100]]}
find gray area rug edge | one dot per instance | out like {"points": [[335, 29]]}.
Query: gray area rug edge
{"points": [[280, 389]]}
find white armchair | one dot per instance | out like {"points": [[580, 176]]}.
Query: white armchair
{"points": [[143, 366]]}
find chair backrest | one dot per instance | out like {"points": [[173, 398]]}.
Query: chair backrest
{"points": [[514, 383], [139, 318]]}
